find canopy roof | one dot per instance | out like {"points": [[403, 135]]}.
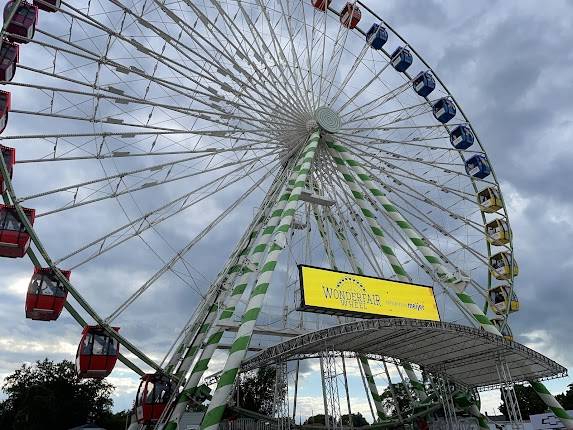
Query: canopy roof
{"points": [[463, 354]]}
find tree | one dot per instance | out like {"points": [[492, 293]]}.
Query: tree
{"points": [[315, 420], [566, 398], [388, 402], [257, 391], [529, 402], [357, 420], [50, 395]]}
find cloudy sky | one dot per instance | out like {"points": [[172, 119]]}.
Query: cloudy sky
{"points": [[509, 65]]}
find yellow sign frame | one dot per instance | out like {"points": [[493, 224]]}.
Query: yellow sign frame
{"points": [[349, 294]]}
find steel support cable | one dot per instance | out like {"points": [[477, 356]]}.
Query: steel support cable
{"points": [[278, 49], [129, 155], [408, 174], [144, 218], [141, 48], [414, 194], [147, 185], [65, 282], [206, 41], [153, 223], [287, 17], [478, 287], [287, 95], [152, 168], [184, 250]]}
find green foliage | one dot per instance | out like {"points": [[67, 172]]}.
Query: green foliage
{"points": [[256, 391], [357, 420], [315, 419], [388, 403], [566, 398], [50, 395], [529, 402]]}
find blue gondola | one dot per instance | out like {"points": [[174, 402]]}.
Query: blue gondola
{"points": [[376, 37], [401, 59], [478, 166], [462, 137], [424, 83], [444, 110]]}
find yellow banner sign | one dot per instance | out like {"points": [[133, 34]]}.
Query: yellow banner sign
{"points": [[328, 291]]}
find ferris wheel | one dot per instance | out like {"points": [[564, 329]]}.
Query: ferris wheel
{"points": [[308, 132]]}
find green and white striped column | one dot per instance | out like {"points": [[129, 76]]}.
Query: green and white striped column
{"points": [[339, 233], [372, 386], [417, 386], [197, 342], [254, 256], [366, 210], [552, 403], [447, 278], [239, 348], [342, 156], [324, 236]]}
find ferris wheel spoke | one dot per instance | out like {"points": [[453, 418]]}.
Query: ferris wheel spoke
{"points": [[295, 103], [287, 17], [360, 111], [349, 75], [173, 65], [154, 169], [201, 235], [212, 62], [336, 58], [283, 60], [405, 113], [147, 221], [439, 167], [142, 184], [279, 93], [398, 174]]}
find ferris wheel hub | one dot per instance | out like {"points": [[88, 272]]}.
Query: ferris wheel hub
{"points": [[327, 119]]}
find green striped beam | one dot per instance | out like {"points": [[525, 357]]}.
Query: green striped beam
{"points": [[552, 403], [339, 233], [238, 350], [324, 236], [447, 278], [368, 214], [414, 237], [372, 386], [255, 255], [197, 342], [417, 386]]}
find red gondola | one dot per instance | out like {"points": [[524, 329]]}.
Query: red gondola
{"points": [[4, 109], [152, 397], [48, 5], [9, 56], [14, 240], [321, 4], [46, 295], [350, 15], [97, 353], [22, 26], [9, 155]]}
